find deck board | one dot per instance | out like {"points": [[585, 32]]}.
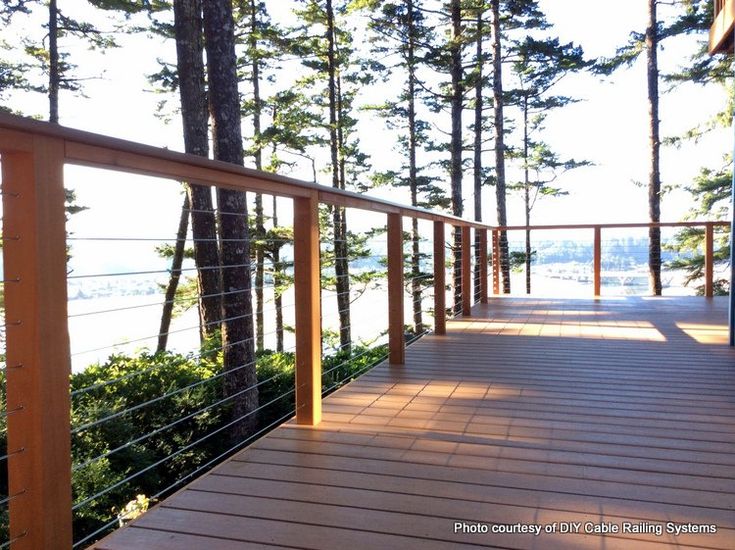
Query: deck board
{"points": [[531, 411]]}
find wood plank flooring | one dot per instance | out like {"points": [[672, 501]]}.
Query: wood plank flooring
{"points": [[541, 414]]}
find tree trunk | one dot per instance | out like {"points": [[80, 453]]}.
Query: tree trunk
{"points": [[237, 325], [258, 154], [654, 176], [341, 249], [455, 69], [416, 292], [500, 144], [527, 194], [479, 103], [173, 282], [277, 280], [54, 76], [190, 65]]}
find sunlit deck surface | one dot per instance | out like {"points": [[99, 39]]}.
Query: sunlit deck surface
{"points": [[531, 411]]}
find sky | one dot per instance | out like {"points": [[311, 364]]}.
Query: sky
{"points": [[608, 127]]}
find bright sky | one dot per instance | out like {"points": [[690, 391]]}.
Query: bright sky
{"points": [[609, 127]]}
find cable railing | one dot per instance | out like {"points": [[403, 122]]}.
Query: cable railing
{"points": [[679, 258], [165, 380]]}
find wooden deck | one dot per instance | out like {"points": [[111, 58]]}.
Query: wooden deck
{"points": [[543, 412]]}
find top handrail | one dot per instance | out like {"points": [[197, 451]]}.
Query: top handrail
{"points": [[100, 151], [720, 223]]}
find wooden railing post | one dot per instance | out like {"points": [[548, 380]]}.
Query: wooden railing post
{"points": [[38, 360], [440, 291], [483, 265], [396, 340], [709, 260], [467, 289], [597, 261], [307, 311], [496, 262]]}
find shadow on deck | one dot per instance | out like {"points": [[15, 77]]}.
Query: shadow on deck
{"points": [[619, 411]]}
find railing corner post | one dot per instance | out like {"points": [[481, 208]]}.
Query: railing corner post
{"points": [[307, 311], [396, 339], [39, 435]]}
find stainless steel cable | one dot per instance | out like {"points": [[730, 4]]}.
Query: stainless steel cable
{"points": [[139, 406], [175, 423], [178, 452]]}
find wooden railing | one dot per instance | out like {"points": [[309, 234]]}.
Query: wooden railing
{"points": [[723, 26], [597, 230], [34, 251]]}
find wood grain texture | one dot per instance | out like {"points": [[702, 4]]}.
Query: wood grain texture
{"points": [[440, 291], [483, 266], [467, 289], [496, 262], [38, 402], [307, 311], [721, 31], [597, 261], [709, 239], [396, 340], [531, 411]]}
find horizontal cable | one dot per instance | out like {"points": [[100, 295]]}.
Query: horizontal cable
{"points": [[16, 452], [349, 345], [217, 211], [176, 422], [348, 361], [178, 452], [6, 500], [160, 398], [153, 336], [191, 474], [6, 368], [11, 541], [15, 410], [102, 529], [417, 336], [358, 258], [357, 373], [159, 271], [227, 452], [175, 301], [155, 367], [339, 329]]}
